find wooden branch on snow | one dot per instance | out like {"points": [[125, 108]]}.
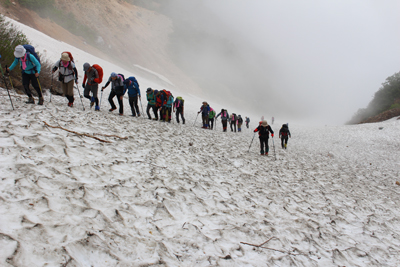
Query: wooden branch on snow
{"points": [[261, 246], [80, 134], [111, 135]]}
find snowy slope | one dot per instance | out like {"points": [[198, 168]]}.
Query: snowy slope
{"points": [[152, 198]]}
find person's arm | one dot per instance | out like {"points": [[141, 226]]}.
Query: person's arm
{"points": [[84, 80], [36, 63], [15, 62], [96, 76], [55, 66], [76, 74], [256, 130], [105, 86]]}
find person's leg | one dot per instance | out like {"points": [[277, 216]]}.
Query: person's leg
{"points": [[177, 115], [35, 84], [148, 110], [86, 92], [282, 142], [266, 146], [154, 107], [121, 104], [95, 89], [261, 146], [135, 101], [111, 101], [234, 125]]}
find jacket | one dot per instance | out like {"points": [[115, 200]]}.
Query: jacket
{"points": [[133, 88], [151, 98], [224, 115], [32, 64], [90, 76], [263, 131], [66, 73]]}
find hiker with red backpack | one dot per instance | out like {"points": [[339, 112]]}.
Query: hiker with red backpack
{"points": [[263, 132], [204, 109], [132, 85], [30, 66], [179, 106], [284, 135], [67, 75], [93, 76], [224, 118], [118, 90]]}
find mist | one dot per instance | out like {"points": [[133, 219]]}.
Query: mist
{"points": [[314, 61]]}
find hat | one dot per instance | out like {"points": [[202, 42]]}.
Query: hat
{"points": [[113, 75], [264, 123], [155, 92], [86, 66], [149, 90], [204, 102], [65, 57], [19, 51], [126, 82]]}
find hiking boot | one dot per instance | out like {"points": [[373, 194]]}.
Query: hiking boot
{"points": [[31, 100], [92, 102], [41, 100], [155, 119], [266, 154], [97, 108], [285, 146], [70, 104], [121, 114], [138, 115], [112, 109]]}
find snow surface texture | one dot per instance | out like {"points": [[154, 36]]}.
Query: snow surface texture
{"points": [[177, 195]]}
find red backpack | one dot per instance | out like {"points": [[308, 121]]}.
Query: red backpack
{"points": [[100, 72]]}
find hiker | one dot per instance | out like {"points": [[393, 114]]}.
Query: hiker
{"points": [[117, 89], [179, 108], [224, 118], [67, 75], [168, 107], [30, 67], [211, 116], [284, 135], [151, 103], [263, 132], [134, 93], [93, 79], [239, 123], [204, 109], [247, 122], [233, 120]]}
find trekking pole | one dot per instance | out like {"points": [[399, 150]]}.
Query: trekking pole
{"points": [[101, 97], [273, 145], [80, 97], [5, 83], [9, 77], [140, 100], [195, 119], [251, 141], [51, 86]]}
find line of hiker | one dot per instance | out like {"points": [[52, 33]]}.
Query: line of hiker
{"points": [[263, 133]]}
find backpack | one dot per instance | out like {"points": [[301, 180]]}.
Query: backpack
{"points": [[179, 102], [166, 94], [240, 120], [122, 76], [100, 72], [70, 56], [263, 130], [284, 130], [31, 50]]}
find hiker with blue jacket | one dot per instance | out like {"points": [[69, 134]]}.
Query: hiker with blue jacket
{"points": [[30, 67], [224, 118], [204, 109], [132, 85], [117, 89]]}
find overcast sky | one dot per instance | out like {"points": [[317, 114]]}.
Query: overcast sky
{"points": [[329, 57]]}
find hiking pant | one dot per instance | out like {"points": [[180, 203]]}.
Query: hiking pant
{"points": [[153, 107], [264, 144], [284, 140], [94, 88], [120, 101], [205, 120], [224, 125], [68, 90], [179, 111], [161, 113], [167, 113], [247, 125], [211, 123], [239, 127], [234, 124], [31, 78], [133, 102]]}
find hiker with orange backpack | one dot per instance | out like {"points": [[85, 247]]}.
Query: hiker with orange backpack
{"points": [[30, 66], [67, 75], [118, 90], [93, 76], [263, 132]]}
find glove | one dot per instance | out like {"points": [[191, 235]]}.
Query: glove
{"points": [[102, 88], [54, 69], [92, 79], [272, 135], [7, 70], [83, 85]]}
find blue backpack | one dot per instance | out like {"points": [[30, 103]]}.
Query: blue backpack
{"points": [[134, 81], [31, 50]]}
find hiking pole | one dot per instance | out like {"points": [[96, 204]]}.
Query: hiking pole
{"points": [[5, 83], [273, 145], [195, 119], [140, 100], [9, 77], [251, 142], [80, 97], [51, 86], [101, 97]]}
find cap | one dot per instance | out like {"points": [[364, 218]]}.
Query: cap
{"points": [[86, 66]]}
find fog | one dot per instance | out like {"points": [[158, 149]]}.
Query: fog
{"points": [[314, 61]]}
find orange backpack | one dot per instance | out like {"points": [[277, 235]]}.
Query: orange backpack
{"points": [[100, 72]]}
